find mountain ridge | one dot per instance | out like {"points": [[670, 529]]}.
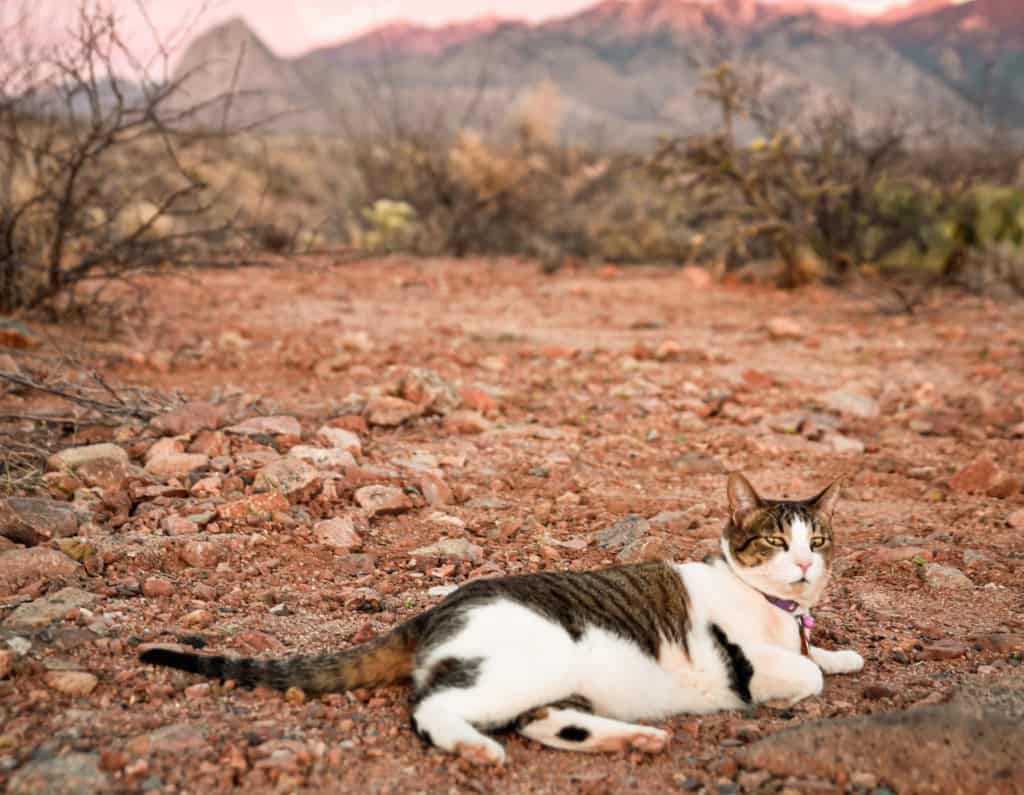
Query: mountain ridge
{"points": [[632, 65]]}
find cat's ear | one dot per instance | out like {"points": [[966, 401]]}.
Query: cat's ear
{"points": [[742, 497], [825, 503]]}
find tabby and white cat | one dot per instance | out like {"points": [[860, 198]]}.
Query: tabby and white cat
{"points": [[570, 659]]}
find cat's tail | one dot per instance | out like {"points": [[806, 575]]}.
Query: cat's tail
{"points": [[381, 661]]}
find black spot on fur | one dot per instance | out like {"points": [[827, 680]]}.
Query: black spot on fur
{"points": [[574, 734], [448, 673], [740, 669], [423, 734]]}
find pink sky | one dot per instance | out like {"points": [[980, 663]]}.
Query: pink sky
{"points": [[294, 26]]}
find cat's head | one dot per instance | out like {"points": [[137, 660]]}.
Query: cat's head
{"points": [[782, 548]]}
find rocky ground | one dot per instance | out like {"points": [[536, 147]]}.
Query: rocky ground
{"points": [[353, 441]]}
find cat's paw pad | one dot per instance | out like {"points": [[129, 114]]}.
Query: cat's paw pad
{"points": [[843, 662], [483, 753], [650, 741]]}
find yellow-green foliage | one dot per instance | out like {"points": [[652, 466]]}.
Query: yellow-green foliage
{"points": [[390, 224]]}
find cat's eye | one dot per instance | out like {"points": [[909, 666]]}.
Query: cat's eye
{"points": [[817, 542], [775, 541]]}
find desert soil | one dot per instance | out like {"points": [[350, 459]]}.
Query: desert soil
{"points": [[516, 415]]}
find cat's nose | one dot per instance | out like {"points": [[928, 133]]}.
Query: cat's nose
{"points": [[804, 566]]}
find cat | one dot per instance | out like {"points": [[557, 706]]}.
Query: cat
{"points": [[572, 659]]}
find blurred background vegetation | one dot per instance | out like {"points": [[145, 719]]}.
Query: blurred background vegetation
{"points": [[104, 176]]}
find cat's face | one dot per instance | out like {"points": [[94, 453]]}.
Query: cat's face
{"points": [[781, 548]]}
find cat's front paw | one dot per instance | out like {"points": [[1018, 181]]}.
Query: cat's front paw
{"points": [[839, 662]]}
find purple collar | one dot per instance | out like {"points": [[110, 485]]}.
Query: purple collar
{"points": [[807, 620]]}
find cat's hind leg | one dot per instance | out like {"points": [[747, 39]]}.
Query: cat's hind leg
{"points": [[442, 708], [441, 725], [571, 726]]}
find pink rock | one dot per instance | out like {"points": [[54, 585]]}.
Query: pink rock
{"points": [[340, 439], [435, 490], [338, 533], [197, 618], [176, 465], [200, 554], [211, 443], [382, 499], [198, 691], [1004, 486], [887, 555], [156, 587], [74, 457], [267, 426], [257, 504], [977, 477], [175, 525], [390, 412], [478, 400], [7, 657], [21, 565], [696, 277], [465, 422], [428, 389], [103, 473], [71, 683], [289, 477], [189, 419], [784, 328]]}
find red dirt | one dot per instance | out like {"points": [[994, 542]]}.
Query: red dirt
{"points": [[610, 393]]}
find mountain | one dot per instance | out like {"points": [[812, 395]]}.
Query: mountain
{"points": [[975, 47], [230, 75], [404, 39], [627, 70]]}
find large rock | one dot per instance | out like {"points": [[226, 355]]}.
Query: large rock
{"points": [[623, 532], [390, 412], [382, 499], [189, 419], [451, 549], [323, 457], [969, 745], [32, 520], [71, 774], [258, 505], [72, 458], [426, 388], [338, 533], [977, 477], [177, 738], [289, 477], [20, 565], [44, 611], [267, 426], [856, 404], [340, 439], [176, 465], [71, 683], [945, 577]]}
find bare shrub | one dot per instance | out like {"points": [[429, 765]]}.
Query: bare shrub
{"points": [[102, 175], [829, 198]]}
